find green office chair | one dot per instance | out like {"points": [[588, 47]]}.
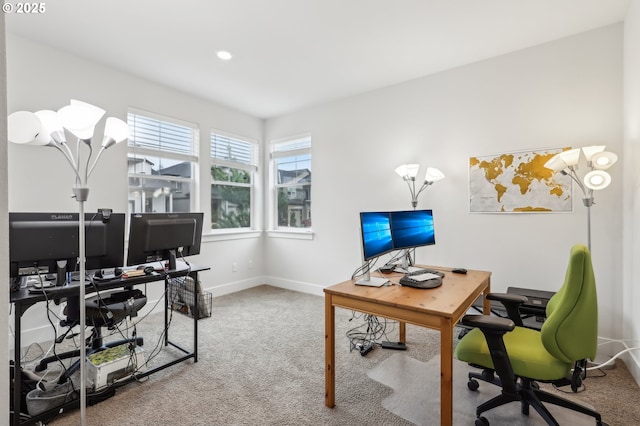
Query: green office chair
{"points": [[521, 357]]}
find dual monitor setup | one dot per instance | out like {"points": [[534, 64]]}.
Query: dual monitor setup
{"points": [[383, 232], [48, 243]]}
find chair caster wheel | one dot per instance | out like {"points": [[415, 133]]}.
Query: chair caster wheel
{"points": [[482, 421], [473, 384], [487, 375]]}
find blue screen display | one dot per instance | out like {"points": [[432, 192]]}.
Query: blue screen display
{"points": [[376, 234], [413, 228]]}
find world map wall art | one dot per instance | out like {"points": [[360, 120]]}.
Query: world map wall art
{"points": [[518, 182]]}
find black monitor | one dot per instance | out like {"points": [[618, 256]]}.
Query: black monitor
{"points": [[49, 242], [163, 236], [412, 228], [376, 234]]}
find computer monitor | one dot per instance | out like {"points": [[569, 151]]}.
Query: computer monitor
{"points": [[163, 236], [49, 242], [411, 229], [376, 234], [375, 228]]}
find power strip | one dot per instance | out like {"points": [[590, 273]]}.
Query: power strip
{"points": [[366, 348]]}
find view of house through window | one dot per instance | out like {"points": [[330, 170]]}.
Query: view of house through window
{"points": [[292, 166], [162, 162], [233, 165]]}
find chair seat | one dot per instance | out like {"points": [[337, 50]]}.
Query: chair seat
{"points": [[528, 356]]}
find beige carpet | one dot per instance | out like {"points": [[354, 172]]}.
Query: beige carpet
{"points": [[262, 363]]}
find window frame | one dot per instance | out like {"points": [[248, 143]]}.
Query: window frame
{"points": [[276, 230], [252, 167], [192, 158]]}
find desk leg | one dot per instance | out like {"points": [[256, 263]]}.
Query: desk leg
{"points": [[486, 303], [166, 311], [196, 314], [446, 372], [17, 397], [402, 329], [330, 352]]}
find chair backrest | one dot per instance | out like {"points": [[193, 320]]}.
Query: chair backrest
{"points": [[570, 332]]}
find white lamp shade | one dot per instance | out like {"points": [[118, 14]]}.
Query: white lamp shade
{"points": [[433, 175], [570, 157], [80, 118], [408, 170], [556, 163], [115, 131], [51, 125], [24, 127], [597, 179], [603, 160], [588, 151]]}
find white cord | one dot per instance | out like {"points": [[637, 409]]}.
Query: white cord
{"points": [[596, 367]]}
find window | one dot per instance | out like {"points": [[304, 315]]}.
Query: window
{"points": [[161, 163], [233, 167], [291, 160]]}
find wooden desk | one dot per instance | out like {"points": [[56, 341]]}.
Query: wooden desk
{"points": [[440, 309]]}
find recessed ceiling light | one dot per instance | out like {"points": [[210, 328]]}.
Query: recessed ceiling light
{"points": [[224, 55]]}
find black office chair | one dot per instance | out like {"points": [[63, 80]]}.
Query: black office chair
{"points": [[101, 310]]}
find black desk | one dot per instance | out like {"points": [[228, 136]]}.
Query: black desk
{"points": [[23, 299]]}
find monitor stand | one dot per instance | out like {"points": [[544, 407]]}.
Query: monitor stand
{"points": [[61, 273], [370, 281], [171, 255], [406, 266]]}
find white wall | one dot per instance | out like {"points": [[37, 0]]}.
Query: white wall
{"points": [[40, 179], [631, 249], [567, 92]]}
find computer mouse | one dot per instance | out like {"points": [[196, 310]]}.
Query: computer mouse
{"points": [[459, 270], [148, 270]]}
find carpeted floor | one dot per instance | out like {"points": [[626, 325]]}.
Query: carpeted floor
{"points": [[261, 362]]}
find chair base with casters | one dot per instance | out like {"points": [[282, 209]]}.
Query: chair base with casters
{"points": [[522, 357], [100, 311]]}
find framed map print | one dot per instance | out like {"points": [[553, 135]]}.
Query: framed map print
{"points": [[518, 182]]}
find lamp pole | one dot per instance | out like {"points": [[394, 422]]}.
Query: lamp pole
{"points": [[81, 194]]}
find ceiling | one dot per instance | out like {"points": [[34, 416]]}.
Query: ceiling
{"points": [[291, 54]]}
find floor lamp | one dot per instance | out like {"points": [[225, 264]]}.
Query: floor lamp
{"points": [[408, 173], [47, 128], [598, 160]]}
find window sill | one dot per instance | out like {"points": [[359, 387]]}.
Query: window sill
{"points": [[294, 235], [230, 234]]}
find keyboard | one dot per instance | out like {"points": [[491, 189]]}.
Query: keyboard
{"points": [[426, 271]]}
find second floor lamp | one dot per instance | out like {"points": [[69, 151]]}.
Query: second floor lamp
{"points": [[597, 161], [408, 173]]}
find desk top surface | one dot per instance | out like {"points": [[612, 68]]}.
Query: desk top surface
{"points": [[25, 295], [456, 291]]}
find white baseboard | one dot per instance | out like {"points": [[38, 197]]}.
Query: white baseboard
{"points": [[315, 289], [235, 286], [633, 366]]}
